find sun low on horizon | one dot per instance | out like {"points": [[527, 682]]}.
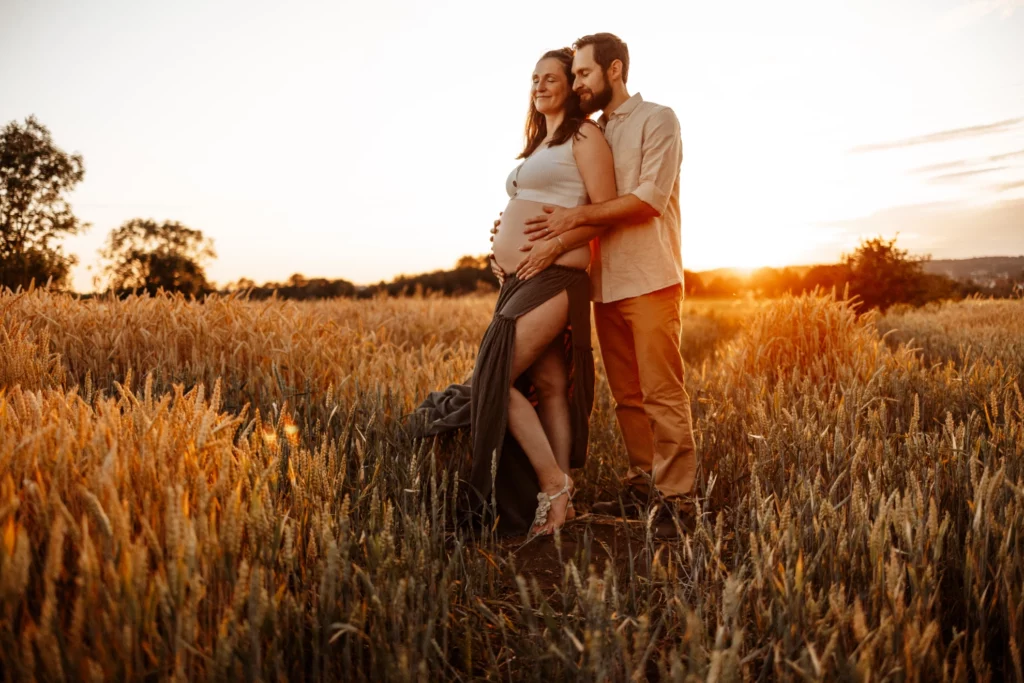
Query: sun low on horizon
{"points": [[362, 141]]}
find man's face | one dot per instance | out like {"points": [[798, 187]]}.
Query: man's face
{"points": [[589, 81]]}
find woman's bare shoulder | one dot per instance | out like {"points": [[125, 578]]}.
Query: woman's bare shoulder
{"points": [[590, 137]]}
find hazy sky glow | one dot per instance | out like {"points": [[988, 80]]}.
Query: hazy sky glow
{"points": [[369, 139]]}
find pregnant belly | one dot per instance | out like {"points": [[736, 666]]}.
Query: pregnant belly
{"points": [[511, 237]]}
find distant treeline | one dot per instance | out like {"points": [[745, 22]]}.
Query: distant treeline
{"points": [[471, 274], [877, 272]]}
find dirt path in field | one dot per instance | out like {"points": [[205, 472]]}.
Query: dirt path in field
{"points": [[588, 540]]}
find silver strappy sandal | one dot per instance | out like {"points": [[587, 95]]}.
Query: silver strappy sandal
{"points": [[544, 505]]}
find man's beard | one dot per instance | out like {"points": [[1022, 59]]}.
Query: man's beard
{"points": [[598, 100]]}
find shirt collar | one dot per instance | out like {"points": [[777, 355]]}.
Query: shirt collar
{"points": [[622, 111]]}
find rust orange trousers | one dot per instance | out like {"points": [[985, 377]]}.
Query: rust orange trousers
{"points": [[639, 340]]}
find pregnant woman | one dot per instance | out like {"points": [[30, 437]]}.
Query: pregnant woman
{"points": [[529, 401]]}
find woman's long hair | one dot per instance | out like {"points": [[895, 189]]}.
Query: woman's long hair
{"points": [[536, 124]]}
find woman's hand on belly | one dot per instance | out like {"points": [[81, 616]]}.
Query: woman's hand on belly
{"points": [[541, 254]]}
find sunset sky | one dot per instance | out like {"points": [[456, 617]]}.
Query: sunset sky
{"points": [[366, 139]]}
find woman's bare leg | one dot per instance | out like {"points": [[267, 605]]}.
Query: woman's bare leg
{"points": [[550, 377], [534, 333]]}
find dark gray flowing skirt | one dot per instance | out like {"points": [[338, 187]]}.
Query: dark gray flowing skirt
{"points": [[482, 403]]}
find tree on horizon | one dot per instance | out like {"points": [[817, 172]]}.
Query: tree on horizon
{"points": [[145, 255], [881, 274], [36, 178]]}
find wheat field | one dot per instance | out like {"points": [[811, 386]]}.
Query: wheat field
{"points": [[225, 491]]}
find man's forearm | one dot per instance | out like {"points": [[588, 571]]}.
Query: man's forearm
{"points": [[578, 237], [624, 210], [593, 219]]}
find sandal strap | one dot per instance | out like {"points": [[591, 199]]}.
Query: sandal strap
{"points": [[544, 503], [565, 489]]}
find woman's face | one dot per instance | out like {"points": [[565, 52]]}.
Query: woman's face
{"points": [[550, 86]]}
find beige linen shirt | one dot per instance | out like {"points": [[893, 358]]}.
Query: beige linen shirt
{"points": [[635, 259]]}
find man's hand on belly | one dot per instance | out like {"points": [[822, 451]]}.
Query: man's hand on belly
{"points": [[555, 221]]}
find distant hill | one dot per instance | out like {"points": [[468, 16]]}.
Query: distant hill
{"points": [[984, 268]]}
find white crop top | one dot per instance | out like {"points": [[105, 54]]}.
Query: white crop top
{"points": [[550, 176]]}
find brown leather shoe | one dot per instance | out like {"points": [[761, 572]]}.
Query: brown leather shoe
{"points": [[630, 503], [670, 521], [616, 508], [665, 529]]}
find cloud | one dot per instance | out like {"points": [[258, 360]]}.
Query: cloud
{"points": [[1006, 187], [943, 136], [947, 229], [945, 166], [1008, 155], [962, 175], [967, 163]]}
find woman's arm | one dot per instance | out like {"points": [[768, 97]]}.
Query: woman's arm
{"points": [[593, 157], [594, 160]]}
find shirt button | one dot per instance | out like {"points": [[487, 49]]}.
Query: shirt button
{"points": [[515, 184]]}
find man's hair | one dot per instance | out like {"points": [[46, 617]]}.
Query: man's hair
{"points": [[607, 48]]}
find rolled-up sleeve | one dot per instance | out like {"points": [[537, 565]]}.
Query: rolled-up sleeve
{"points": [[660, 159]]}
